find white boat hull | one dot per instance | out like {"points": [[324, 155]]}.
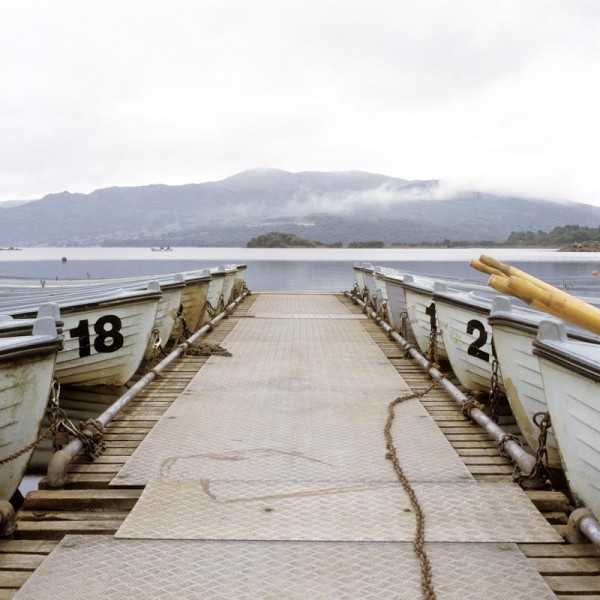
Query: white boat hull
{"points": [[359, 277], [370, 284], [523, 385], [396, 302], [164, 322], [238, 284], [105, 345], [574, 404], [24, 390], [468, 342], [193, 302], [228, 285], [214, 295], [419, 307]]}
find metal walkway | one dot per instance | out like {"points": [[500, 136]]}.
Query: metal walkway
{"points": [[267, 478]]}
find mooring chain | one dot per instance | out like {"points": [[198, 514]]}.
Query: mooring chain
{"points": [[59, 424], [432, 355], [419, 541], [157, 344], [182, 327], [27, 448], [404, 332], [52, 406], [540, 468], [495, 393]]}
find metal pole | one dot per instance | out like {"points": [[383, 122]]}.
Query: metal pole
{"points": [[582, 521], [59, 462], [590, 528]]}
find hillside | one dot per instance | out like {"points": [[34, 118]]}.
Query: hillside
{"points": [[331, 207]]}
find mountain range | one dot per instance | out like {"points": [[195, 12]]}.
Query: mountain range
{"points": [[326, 206]]}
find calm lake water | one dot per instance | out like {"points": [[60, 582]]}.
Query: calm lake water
{"points": [[285, 269]]}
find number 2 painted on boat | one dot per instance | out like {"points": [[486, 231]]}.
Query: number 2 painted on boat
{"points": [[107, 327], [475, 348]]}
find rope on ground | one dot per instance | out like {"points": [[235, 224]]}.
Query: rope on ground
{"points": [[206, 349], [419, 541]]}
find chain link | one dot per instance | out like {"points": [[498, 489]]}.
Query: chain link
{"points": [[540, 468], [183, 331], [494, 396], [52, 405], [502, 443], [419, 541], [404, 332], [27, 448], [432, 355]]}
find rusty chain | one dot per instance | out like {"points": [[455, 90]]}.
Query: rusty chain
{"points": [[52, 406], [157, 347], [419, 541], [27, 448], [540, 468], [432, 355], [404, 332], [182, 327], [494, 396]]}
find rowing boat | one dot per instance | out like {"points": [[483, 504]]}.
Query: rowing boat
{"points": [[106, 332], [571, 376], [467, 335], [26, 371]]}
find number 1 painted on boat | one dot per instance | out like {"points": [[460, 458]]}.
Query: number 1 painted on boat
{"points": [[107, 327]]}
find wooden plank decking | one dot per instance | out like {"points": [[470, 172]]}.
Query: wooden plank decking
{"points": [[88, 505]]}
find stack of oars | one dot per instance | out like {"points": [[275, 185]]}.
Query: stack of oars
{"points": [[538, 294]]}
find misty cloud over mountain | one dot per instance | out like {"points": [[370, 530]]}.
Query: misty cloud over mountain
{"points": [[327, 206]]}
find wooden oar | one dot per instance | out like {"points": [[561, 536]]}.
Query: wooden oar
{"points": [[509, 271], [553, 301], [479, 266]]}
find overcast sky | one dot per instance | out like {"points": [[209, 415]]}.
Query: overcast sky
{"points": [[499, 95]]}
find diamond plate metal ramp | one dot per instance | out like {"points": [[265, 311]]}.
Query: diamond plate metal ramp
{"points": [[488, 512], [299, 400], [100, 567], [294, 304]]}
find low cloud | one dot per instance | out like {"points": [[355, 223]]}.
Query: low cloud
{"points": [[384, 196]]}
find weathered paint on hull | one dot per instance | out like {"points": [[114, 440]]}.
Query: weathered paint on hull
{"points": [[166, 314], [193, 301], [215, 290], [228, 285]]}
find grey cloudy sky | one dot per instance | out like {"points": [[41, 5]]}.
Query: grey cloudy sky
{"points": [[500, 95]]}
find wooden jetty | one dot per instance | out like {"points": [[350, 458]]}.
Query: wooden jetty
{"points": [[265, 475]]}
